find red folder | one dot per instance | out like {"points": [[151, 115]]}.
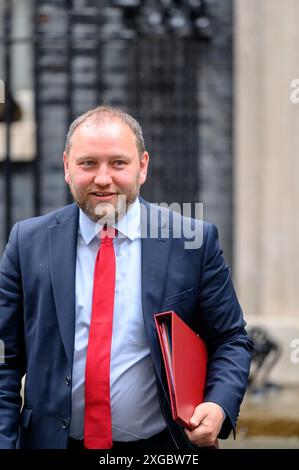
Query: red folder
{"points": [[185, 360]]}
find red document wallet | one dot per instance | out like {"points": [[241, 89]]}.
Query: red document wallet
{"points": [[185, 360]]}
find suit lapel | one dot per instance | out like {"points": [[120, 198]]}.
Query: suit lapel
{"points": [[155, 249], [63, 246]]}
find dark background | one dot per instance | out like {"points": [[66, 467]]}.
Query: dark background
{"points": [[167, 62]]}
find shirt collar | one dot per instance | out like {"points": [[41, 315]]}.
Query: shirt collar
{"points": [[128, 226]]}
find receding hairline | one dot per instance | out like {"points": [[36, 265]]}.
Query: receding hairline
{"points": [[103, 114]]}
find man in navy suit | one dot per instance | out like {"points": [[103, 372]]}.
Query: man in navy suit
{"points": [[46, 277]]}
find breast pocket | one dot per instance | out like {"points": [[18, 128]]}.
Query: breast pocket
{"points": [[186, 296], [128, 316]]}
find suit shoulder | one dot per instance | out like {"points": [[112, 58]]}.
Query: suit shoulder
{"points": [[59, 215]]}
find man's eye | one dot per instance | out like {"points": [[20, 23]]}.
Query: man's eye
{"points": [[119, 163], [87, 163]]}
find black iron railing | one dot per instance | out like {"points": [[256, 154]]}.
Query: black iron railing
{"points": [[144, 56]]}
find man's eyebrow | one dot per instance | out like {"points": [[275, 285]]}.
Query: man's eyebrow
{"points": [[121, 155], [83, 157], [110, 157]]}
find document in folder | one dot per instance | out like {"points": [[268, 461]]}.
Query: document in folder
{"points": [[185, 359]]}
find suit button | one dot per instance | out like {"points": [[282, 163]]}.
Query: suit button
{"points": [[64, 424], [68, 381]]}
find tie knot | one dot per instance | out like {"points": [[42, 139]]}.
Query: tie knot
{"points": [[107, 234]]}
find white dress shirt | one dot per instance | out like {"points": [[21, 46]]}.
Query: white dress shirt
{"points": [[135, 408]]}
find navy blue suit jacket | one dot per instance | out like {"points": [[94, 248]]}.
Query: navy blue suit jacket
{"points": [[37, 321]]}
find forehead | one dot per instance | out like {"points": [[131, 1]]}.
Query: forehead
{"points": [[111, 129]]}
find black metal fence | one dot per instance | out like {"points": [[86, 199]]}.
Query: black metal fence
{"points": [[144, 56]]}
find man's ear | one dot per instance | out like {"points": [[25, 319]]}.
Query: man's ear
{"points": [[143, 167], [66, 168]]}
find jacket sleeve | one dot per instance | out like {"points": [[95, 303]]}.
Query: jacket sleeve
{"points": [[221, 324], [12, 366]]}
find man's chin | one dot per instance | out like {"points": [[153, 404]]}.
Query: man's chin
{"points": [[105, 212]]}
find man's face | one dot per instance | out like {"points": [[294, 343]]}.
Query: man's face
{"points": [[102, 164]]}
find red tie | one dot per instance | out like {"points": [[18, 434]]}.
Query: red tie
{"points": [[97, 419]]}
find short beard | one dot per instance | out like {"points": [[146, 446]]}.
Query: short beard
{"points": [[104, 212]]}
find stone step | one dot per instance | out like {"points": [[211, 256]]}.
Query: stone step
{"points": [[270, 413]]}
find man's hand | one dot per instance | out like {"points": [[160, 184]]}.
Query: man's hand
{"points": [[207, 420]]}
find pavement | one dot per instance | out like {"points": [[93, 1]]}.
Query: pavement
{"points": [[269, 419], [260, 442]]}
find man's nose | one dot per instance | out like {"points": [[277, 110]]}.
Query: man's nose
{"points": [[103, 177]]}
